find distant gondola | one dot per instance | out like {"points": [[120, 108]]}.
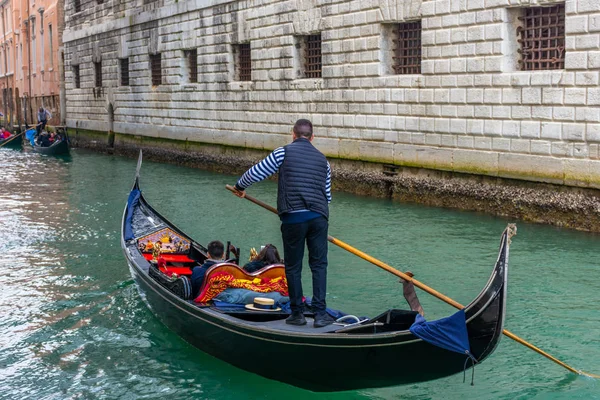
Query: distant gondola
{"points": [[57, 148], [375, 353], [14, 141]]}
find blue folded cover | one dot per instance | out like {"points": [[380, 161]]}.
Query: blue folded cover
{"points": [[30, 135], [449, 333]]}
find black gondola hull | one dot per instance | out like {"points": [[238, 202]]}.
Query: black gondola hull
{"points": [[56, 149], [321, 365], [14, 143]]}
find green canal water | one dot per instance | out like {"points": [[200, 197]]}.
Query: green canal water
{"points": [[72, 325]]}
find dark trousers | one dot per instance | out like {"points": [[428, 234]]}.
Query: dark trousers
{"points": [[314, 234], [41, 126]]}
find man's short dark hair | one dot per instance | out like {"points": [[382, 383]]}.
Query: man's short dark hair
{"points": [[303, 128], [216, 249]]}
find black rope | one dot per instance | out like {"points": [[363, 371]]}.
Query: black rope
{"points": [[473, 361]]}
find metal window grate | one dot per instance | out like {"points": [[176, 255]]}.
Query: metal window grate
{"points": [[98, 73], [542, 38], [124, 71], [244, 62], [77, 4], [407, 48], [191, 57], [312, 56], [76, 76], [156, 69]]}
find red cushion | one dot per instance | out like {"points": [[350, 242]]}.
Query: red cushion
{"points": [[177, 270], [171, 258]]}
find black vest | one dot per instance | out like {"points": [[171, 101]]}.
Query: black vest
{"points": [[302, 179]]}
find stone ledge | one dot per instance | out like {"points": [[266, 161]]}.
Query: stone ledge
{"points": [[576, 208]]}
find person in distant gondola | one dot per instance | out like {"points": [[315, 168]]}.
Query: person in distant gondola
{"points": [[53, 138], [268, 255], [4, 134], [216, 250], [43, 116], [44, 140]]}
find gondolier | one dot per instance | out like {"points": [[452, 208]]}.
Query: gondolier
{"points": [[303, 198], [43, 116]]}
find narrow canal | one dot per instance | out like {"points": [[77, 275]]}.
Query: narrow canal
{"points": [[73, 326]]}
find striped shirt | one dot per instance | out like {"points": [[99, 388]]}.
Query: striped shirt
{"points": [[270, 166]]}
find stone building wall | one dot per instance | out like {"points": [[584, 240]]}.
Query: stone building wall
{"points": [[470, 109]]}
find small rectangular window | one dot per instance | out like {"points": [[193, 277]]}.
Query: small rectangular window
{"points": [[124, 71], [156, 69], [51, 46], [407, 48], [76, 76], [77, 4], [191, 60], [542, 38], [98, 73], [312, 56], [244, 62]]}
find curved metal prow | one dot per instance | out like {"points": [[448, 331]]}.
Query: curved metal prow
{"points": [[139, 165], [137, 170]]}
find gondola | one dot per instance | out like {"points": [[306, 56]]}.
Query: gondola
{"points": [[378, 352], [14, 141], [57, 148]]}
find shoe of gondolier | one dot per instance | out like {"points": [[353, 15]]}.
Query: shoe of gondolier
{"points": [[297, 318], [322, 319]]}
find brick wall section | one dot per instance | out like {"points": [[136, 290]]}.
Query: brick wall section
{"points": [[470, 110]]}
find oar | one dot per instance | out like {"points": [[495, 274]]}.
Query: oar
{"points": [[11, 139], [420, 285]]}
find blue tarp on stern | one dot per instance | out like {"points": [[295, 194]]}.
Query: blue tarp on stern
{"points": [[449, 333]]}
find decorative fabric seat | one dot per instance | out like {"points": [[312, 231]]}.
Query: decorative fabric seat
{"points": [[220, 276]]}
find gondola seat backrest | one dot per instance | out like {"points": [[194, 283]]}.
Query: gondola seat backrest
{"points": [[267, 272]]}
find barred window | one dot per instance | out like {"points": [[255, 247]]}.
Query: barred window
{"points": [[76, 76], [407, 48], [191, 60], [156, 69], [542, 38], [98, 73], [244, 62], [124, 71], [77, 4], [312, 56]]}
